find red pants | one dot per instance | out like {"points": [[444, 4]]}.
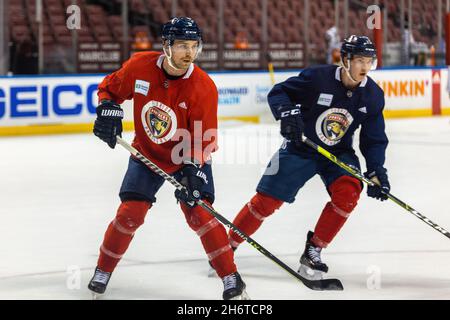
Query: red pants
{"points": [[131, 215], [344, 193]]}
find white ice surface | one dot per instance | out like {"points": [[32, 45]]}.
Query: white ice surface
{"points": [[59, 193]]}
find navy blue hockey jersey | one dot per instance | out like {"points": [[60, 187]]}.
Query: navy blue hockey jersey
{"points": [[332, 113]]}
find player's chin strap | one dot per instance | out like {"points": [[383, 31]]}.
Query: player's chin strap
{"points": [[169, 55], [347, 69]]}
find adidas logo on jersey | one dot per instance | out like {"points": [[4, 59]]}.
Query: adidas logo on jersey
{"points": [[363, 109], [183, 105]]}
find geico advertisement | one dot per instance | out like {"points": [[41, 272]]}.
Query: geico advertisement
{"points": [[405, 89], [47, 100], [72, 99]]}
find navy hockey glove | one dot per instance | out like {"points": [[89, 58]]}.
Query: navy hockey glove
{"points": [[108, 124], [193, 178], [379, 176], [292, 125]]}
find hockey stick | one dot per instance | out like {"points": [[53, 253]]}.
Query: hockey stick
{"points": [[325, 284], [357, 174], [270, 67]]}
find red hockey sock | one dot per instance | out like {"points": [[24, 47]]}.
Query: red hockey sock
{"points": [[345, 193], [120, 232], [252, 215], [213, 237]]}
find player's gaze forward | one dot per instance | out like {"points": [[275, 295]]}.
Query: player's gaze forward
{"points": [[170, 96]]}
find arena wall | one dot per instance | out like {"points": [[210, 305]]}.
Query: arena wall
{"points": [[66, 103]]}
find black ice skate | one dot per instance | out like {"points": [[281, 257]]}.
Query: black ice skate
{"points": [[311, 266], [99, 282], [234, 288]]}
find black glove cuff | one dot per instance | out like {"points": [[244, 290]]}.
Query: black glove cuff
{"points": [[108, 103], [288, 111], [379, 171], [193, 170]]}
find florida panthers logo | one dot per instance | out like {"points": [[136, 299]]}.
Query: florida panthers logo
{"points": [[159, 121], [332, 125]]}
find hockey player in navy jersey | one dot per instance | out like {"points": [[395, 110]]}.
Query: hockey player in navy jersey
{"points": [[326, 104]]}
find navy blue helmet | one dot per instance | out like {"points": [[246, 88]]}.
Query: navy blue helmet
{"points": [[358, 45], [181, 28]]}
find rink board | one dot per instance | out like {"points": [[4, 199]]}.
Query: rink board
{"points": [[66, 104]]}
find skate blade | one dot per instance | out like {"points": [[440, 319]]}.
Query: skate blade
{"points": [[96, 296], [310, 274], [242, 296]]}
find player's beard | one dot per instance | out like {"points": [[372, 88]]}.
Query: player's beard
{"points": [[183, 63]]}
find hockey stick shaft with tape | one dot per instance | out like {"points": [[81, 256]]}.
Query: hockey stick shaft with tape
{"points": [[357, 174], [326, 284]]}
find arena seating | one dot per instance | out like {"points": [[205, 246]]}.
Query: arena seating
{"points": [[101, 21]]}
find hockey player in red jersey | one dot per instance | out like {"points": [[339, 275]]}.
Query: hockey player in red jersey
{"points": [[173, 100]]}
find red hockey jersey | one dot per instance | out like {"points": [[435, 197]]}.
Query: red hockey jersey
{"points": [[173, 119]]}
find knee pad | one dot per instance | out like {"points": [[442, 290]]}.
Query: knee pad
{"points": [[262, 205], [131, 215], [199, 219], [345, 193]]}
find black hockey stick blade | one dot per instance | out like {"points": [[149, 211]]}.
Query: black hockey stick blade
{"points": [[322, 285]]}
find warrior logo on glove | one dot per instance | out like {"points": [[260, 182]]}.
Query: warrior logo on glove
{"points": [[108, 124]]}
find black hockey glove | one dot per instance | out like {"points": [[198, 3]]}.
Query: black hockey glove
{"points": [[379, 176], [108, 124], [193, 178], [292, 125]]}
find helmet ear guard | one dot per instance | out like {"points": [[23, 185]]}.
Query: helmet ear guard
{"points": [[374, 63], [347, 67]]}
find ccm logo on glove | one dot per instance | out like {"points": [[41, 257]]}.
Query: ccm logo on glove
{"points": [[288, 113]]}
